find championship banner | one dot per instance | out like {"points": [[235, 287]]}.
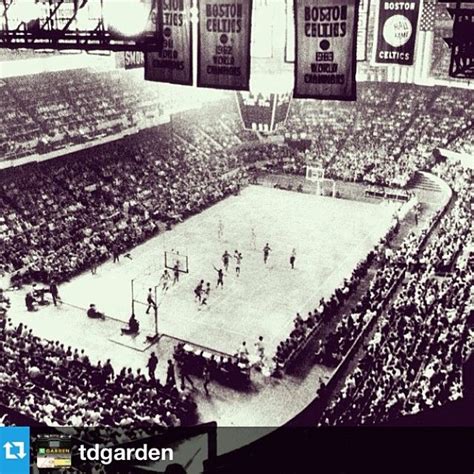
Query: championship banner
{"points": [[325, 59], [224, 44], [174, 64], [396, 32]]}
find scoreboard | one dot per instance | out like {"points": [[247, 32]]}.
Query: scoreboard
{"points": [[263, 112]]}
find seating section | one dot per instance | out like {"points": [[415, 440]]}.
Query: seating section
{"points": [[386, 135], [82, 105], [55, 385], [60, 217], [413, 360]]}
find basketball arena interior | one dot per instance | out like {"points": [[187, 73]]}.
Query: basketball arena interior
{"points": [[235, 262]]}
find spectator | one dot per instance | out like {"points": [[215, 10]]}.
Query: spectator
{"points": [[53, 289], [133, 327], [93, 313], [170, 375], [184, 372], [30, 302], [206, 378], [151, 365]]}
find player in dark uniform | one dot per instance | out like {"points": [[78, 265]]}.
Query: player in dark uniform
{"points": [[292, 259], [220, 277], [151, 302], [266, 252], [225, 260], [176, 273], [198, 291]]}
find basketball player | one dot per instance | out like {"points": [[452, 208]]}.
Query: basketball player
{"points": [[243, 353], [150, 301], [225, 260], [260, 349], [238, 260], [198, 291], [292, 259], [165, 278], [207, 292], [253, 239], [220, 277], [266, 252], [220, 230], [176, 272]]}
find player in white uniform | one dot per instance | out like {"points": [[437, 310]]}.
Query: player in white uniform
{"points": [[238, 261], [205, 294], [260, 352], [253, 239], [243, 353], [165, 279]]}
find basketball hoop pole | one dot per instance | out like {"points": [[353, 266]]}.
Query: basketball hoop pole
{"points": [[133, 297]]}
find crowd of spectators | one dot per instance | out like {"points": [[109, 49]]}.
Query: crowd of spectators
{"points": [[465, 142], [82, 105], [381, 139], [211, 130], [390, 266], [19, 133], [414, 357], [59, 218], [58, 385], [86, 104], [305, 328], [386, 135]]}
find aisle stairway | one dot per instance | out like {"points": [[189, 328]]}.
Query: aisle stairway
{"points": [[424, 182], [427, 187]]}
